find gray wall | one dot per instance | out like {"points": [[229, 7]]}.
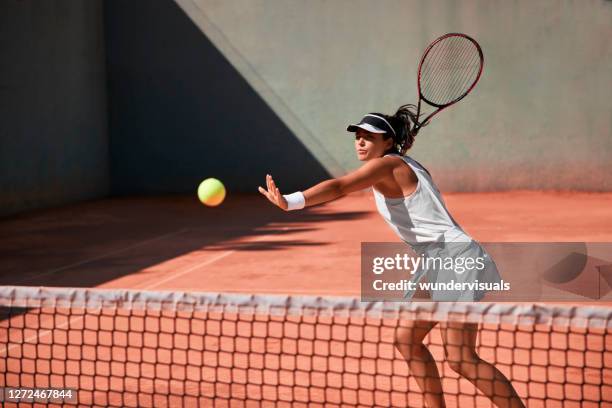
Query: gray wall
{"points": [[180, 112], [53, 137], [540, 118], [152, 96]]}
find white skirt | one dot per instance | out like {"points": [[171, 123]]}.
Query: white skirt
{"points": [[456, 283]]}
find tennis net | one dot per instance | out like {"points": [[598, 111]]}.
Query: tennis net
{"points": [[139, 348]]}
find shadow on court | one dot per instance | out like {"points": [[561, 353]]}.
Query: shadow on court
{"points": [[88, 244]]}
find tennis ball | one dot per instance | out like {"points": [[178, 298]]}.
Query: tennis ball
{"points": [[211, 192]]}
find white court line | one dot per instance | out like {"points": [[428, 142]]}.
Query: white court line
{"points": [[199, 265], [5, 350], [86, 261], [186, 271]]}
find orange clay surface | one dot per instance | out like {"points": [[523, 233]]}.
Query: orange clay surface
{"points": [[247, 245]]}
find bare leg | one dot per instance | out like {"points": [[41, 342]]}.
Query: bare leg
{"points": [[460, 347], [409, 342]]}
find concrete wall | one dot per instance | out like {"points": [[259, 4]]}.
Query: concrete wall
{"points": [[179, 112], [152, 96], [539, 119], [53, 138]]}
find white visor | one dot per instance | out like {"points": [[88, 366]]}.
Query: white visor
{"points": [[373, 124], [365, 126]]}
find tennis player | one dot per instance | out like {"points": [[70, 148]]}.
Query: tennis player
{"points": [[409, 201]]}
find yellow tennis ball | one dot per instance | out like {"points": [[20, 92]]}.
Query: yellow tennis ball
{"points": [[211, 192]]}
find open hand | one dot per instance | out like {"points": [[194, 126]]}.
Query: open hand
{"points": [[273, 194]]}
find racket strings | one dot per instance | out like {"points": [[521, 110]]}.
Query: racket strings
{"points": [[445, 68], [440, 63], [451, 73], [470, 74], [450, 82], [449, 70]]}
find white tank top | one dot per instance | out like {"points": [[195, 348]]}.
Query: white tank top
{"points": [[422, 216]]}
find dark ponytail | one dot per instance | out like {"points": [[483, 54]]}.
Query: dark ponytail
{"points": [[403, 123]]}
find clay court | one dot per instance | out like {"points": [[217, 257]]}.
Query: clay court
{"points": [[130, 353], [248, 246], [118, 284]]}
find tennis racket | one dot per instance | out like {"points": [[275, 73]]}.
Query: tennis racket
{"points": [[449, 70]]}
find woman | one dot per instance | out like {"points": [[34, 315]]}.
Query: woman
{"points": [[411, 204]]}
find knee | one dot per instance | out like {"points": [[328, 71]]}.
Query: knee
{"points": [[466, 366], [405, 337], [408, 344], [456, 366], [402, 336]]}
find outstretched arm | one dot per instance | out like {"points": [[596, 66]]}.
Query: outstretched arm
{"points": [[365, 176]]}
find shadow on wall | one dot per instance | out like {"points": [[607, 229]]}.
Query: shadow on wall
{"points": [[53, 138], [179, 112]]}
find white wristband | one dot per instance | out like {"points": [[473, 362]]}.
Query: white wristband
{"points": [[295, 201]]}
